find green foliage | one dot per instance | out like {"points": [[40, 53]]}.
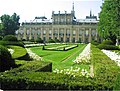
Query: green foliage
{"points": [[10, 38], [1, 37], [94, 42], [5, 43], [25, 77], [6, 61], [57, 41], [109, 24], [107, 42], [108, 45], [105, 70], [117, 83], [51, 41], [39, 40], [32, 40], [10, 24]]}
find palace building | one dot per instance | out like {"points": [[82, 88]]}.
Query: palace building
{"points": [[64, 27]]}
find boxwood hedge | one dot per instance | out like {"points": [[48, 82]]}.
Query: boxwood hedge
{"points": [[5, 43], [105, 75]]}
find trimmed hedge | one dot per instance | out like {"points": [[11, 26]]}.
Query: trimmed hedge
{"points": [[6, 61], [5, 43], [108, 47], [107, 42], [10, 38], [105, 71]]}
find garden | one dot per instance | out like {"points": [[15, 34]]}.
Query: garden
{"points": [[81, 67]]}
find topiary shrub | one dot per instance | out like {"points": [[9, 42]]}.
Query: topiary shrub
{"points": [[10, 38], [1, 37], [107, 42], [6, 61], [108, 47], [51, 41], [94, 42], [39, 40]]}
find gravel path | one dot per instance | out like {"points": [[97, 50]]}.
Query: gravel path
{"points": [[91, 71], [113, 56]]}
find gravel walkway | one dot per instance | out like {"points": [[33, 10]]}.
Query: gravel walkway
{"points": [[113, 56]]}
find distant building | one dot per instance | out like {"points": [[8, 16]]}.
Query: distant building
{"points": [[62, 26]]}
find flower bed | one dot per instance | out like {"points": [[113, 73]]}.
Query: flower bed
{"points": [[84, 57], [33, 55]]}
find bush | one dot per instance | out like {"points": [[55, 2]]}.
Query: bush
{"points": [[105, 69], [51, 41], [6, 61], [108, 47], [32, 40], [94, 43], [5, 43], [10, 38], [107, 42], [57, 41], [1, 37], [39, 40]]}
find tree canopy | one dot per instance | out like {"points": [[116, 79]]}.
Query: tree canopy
{"points": [[109, 24], [9, 24]]}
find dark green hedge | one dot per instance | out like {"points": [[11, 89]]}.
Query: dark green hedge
{"points": [[5, 43], [6, 61], [10, 38], [105, 71], [108, 47]]}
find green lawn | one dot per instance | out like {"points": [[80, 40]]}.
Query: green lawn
{"points": [[60, 59], [18, 51]]}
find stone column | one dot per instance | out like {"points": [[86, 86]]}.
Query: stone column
{"points": [[58, 34], [64, 34], [77, 34], [96, 34], [71, 34], [83, 36], [30, 34], [90, 34], [24, 35]]}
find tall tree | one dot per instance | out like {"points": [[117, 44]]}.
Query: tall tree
{"points": [[10, 23], [109, 24]]}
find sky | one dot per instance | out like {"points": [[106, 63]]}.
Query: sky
{"points": [[29, 9]]}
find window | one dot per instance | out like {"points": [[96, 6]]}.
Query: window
{"points": [[80, 33]]}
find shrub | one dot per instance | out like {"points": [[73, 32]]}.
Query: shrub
{"points": [[1, 37], [51, 41], [6, 61], [5, 43], [10, 38], [32, 40], [108, 47], [107, 42], [94, 43], [57, 41], [39, 40]]}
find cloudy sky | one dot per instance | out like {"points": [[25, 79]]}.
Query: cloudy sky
{"points": [[28, 9]]}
